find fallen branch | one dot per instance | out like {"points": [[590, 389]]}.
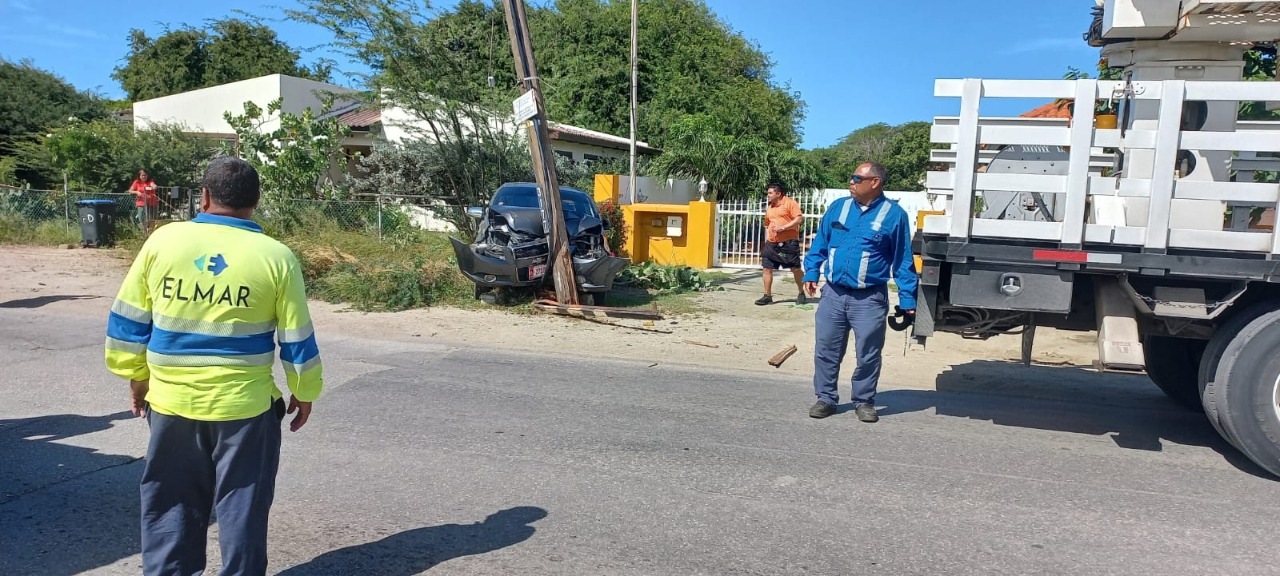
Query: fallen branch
{"points": [[703, 344], [782, 356], [616, 325], [580, 311]]}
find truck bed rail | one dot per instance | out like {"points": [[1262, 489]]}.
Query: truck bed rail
{"points": [[1091, 198]]}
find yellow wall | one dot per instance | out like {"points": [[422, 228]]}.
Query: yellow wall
{"points": [[607, 187], [648, 238]]}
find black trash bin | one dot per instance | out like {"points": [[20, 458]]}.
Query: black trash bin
{"points": [[97, 222]]}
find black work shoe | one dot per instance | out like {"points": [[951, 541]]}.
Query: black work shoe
{"points": [[821, 409], [866, 413], [802, 298], [766, 299]]}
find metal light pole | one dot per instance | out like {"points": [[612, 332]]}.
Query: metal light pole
{"points": [[635, 75]]}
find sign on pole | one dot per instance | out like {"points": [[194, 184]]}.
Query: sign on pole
{"points": [[525, 107]]}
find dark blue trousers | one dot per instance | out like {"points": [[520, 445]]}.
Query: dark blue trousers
{"points": [[194, 468], [840, 311]]}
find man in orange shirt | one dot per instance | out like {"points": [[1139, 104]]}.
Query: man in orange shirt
{"points": [[781, 249]]}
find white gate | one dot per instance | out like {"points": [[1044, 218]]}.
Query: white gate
{"points": [[740, 223], [740, 228]]}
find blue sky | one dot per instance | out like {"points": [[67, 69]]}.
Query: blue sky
{"points": [[854, 62]]}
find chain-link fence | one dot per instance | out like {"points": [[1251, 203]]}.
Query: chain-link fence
{"points": [[26, 207], [377, 217]]}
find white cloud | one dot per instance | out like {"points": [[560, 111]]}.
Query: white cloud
{"points": [[39, 40], [21, 6], [73, 31]]}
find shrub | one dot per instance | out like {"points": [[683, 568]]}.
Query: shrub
{"points": [[616, 235], [665, 279]]}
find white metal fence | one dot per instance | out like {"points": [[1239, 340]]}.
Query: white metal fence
{"points": [[740, 228], [740, 223]]}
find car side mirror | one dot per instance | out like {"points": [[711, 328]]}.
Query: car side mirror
{"points": [[475, 211]]}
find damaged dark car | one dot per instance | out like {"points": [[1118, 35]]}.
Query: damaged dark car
{"points": [[510, 249]]}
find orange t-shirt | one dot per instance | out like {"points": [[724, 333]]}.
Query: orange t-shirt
{"points": [[148, 190], [786, 211]]}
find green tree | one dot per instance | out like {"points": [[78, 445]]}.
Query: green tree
{"points": [[425, 167], [189, 58], [32, 102], [738, 167], [298, 158], [438, 75], [904, 151], [1259, 64], [105, 155], [690, 62]]}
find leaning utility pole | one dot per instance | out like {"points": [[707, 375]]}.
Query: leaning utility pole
{"points": [[530, 110], [635, 73]]}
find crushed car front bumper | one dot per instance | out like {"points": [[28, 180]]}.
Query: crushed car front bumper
{"points": [[528, 264]]}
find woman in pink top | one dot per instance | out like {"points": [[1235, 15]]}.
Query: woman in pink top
{"points": [[144, 188]]}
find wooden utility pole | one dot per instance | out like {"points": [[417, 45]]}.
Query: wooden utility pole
{"points": [[635, 74], [561, 263]]}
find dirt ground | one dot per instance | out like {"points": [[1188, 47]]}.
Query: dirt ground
{"points": [[733, 334]]}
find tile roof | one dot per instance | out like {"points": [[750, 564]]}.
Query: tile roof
{"points": [[360, 118], [1050, 110]]}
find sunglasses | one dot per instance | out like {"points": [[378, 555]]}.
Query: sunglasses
{"points": [[856, 179]]}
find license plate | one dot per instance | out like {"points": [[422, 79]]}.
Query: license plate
{"points": [[537, 271]]}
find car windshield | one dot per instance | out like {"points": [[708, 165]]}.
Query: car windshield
{"points": [[576, 203]]}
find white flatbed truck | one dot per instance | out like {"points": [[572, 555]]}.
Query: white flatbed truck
{"points": [[1146, 232]]}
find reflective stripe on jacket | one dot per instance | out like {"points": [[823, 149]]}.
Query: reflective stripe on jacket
{"points": [[201, 313]]}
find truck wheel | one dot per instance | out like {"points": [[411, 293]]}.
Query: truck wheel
{"points": [[1173, 363], [1223, 334], [1247, 383]]}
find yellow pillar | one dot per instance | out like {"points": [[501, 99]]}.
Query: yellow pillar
{"points": [[702, 231], [629, 216], [607, 187]]}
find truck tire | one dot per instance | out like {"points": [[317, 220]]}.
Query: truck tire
{"points": [[1247, 383], [1223, 334], [1173, 364]]}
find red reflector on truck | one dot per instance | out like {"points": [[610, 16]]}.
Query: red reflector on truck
{"points": [[1060, 255]]}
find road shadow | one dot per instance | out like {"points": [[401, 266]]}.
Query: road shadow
{"points": [[415, 551], [64, 509], [1128, 408], [39, 301]]}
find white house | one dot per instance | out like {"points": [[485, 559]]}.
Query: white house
{"points": [[201, 111]]}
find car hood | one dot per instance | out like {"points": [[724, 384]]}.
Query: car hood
{"points": [[529, 221]]}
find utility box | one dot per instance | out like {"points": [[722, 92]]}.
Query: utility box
{"points": [[675, 226], [1139, 19]]}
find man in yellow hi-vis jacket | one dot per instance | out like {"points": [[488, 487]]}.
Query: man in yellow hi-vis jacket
{"points": [[194, 328]]}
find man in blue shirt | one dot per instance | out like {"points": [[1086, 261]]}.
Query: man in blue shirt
{"points": [[863, 241]]}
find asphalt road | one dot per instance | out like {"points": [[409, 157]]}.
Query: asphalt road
{"points": [[426, 458]]}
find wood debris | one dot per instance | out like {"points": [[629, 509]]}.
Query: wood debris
{"points": [[782, 356]]}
